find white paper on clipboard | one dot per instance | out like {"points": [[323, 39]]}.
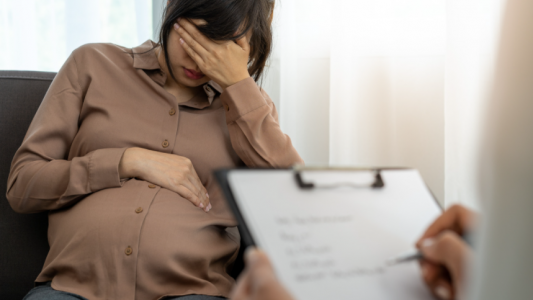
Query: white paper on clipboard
{"points": [[331, 243]]}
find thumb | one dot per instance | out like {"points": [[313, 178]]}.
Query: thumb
{"points": [[258, 261], [260, 268], [247, 281]]}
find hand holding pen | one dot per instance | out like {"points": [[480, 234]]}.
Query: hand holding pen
{"points": [[445, 253]]}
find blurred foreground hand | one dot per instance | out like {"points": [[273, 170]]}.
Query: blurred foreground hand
{"points": [[258, 280], [447, 256]]}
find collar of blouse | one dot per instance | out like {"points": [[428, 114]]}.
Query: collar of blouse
{"points": [[147, 60]]}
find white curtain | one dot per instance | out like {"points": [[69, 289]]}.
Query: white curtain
{"points": [[473, 28], [39, 35], [357, 82], [386, 83]]}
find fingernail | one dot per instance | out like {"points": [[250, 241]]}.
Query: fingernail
{"points": [[181, 41], [207, 195], [209, 207], [427, 243], [201, 205], [442, 292], [176, 26]]}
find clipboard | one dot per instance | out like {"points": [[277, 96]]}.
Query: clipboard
{"points": [[300, 180], [222, 178]]}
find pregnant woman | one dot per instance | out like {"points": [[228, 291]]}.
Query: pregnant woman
{"points": [[122, 149]]}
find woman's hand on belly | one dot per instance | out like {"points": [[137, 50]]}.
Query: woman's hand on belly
{"points": [[170, 171]]}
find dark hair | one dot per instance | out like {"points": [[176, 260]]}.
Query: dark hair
{"points": [[226, 20]]}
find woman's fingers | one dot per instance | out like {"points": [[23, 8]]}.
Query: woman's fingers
{"points": [[201, 48], [192, 53], [195, 186], [243, 43], [187, 27], [196, 51], [196, 198], [200, 190], [189, 195], [196, 179], [188, 178]]}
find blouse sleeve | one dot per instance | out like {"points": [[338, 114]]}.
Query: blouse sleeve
{"points": [[254, 129], [41, 178]]}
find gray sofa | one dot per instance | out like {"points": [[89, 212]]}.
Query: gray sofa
{"points": [[23, 242], [23, 238]]}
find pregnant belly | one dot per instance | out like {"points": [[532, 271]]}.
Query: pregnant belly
{"points": [[151, 232]]}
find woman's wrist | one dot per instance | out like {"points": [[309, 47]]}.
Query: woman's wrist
{"points": [[129, 166], [228, 83]]}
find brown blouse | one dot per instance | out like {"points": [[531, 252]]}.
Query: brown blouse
{"points": [[129, 239]]}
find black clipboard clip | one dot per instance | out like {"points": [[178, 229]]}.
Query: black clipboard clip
{"points": [[376, 184]]}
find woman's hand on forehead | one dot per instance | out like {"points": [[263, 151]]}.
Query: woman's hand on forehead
{"points": [[225, 62]]}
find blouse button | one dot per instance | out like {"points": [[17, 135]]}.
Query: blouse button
{"points": [[152, 186], [139, 210], [172, 112], [128, 251], [226, 107], [165, 144]]}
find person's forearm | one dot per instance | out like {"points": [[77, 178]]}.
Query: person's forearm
{"points": [[254, 129], [36, 184]]}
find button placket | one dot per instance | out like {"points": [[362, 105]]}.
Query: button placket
{"points": [[141, 209]]}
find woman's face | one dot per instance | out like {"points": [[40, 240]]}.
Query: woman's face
{"points": [[185, 70]]}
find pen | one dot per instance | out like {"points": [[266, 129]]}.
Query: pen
{"points": [[417, 255]]}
